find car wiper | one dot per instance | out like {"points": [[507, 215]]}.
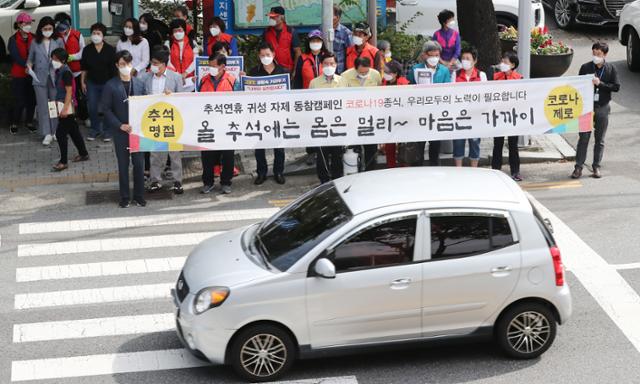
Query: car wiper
{"points": [[262, 251]]}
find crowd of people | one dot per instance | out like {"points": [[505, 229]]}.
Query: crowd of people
{"points": [[54, 66]]}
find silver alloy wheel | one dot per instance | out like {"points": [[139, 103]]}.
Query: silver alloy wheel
{"points": [[562, 12], [528, 332], [263, 355], [630, 49]]}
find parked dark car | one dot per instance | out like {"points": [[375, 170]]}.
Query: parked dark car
{"points": [[568, 13]]}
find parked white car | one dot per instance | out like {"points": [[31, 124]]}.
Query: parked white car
{"points": [[629, 33], [379, 258], [427, 24], [9, 10]]}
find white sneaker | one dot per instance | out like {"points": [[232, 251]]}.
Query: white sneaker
{"points": [[55, 138], [47, 140]]}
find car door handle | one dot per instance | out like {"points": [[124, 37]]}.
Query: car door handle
{"points": [[400, 283], [502, 269], [408, 2]]}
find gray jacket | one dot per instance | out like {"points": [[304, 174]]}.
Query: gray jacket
{"points": [[172, 84], [40, 60]]}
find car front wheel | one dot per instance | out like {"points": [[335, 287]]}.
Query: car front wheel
{"points": [[563, 14], [633, 50], [262, 353], [526, 330]]}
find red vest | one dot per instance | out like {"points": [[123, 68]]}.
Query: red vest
{"points": [[17, 70], [181, 64], [225, 85], [400, 81], [368, 51], [282, 46], [211, 40], [504, 76], [72, 46], [446, 43], [461, 76], [308, 71]]}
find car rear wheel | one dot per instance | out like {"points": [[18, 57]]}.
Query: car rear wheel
{"points": [[563, 14], [633, 50], [262, 353], [526, 330]]}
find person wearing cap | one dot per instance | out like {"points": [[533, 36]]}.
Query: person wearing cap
{"points": [[21, 87], [392, 76], [216, 33], [448, 38], [282, 38], [343, 39], [362, 49], [308, 66]]}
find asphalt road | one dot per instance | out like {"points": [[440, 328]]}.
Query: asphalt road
{"points": [[591, 348]]}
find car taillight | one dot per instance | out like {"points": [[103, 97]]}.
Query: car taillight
{"points": [[557, 265]]}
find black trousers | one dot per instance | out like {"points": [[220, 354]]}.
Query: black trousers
{"points": [[68, 127], [125, 159], [601, 122], [82, 112], [329, 163], [434, 154], [212, 158], [278, 161], [370, 154], [514, 155], [24, 100]]}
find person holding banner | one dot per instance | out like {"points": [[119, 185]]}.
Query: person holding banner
{"points": [[329, 159], [217, 29], [507, 71], [182, 59], [268, 67], [362, 48], [393, 75], [283, 38], [218, 80], [115, 106], [308, 65]]}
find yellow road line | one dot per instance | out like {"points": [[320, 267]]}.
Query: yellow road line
{"points": [[280, 203], [552, 185]]}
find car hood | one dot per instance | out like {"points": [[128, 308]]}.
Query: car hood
{"points": [[220, 261]]}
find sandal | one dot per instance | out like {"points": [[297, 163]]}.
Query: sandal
{"points": [[79, 158], [59, 167]]}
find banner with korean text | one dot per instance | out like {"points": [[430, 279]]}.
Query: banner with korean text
{"points": [[349, 116]]}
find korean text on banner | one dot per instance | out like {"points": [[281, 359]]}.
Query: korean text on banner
{"points": [[266, 83], [350, 116], [235, 65]]}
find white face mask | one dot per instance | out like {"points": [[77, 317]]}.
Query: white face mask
{"points": [[362, 77], [266, 60], [357, 40], [504, 67], [215, 31], [47, 34], [467, 65], [125, 71], [128, 31], [26, 28], [388, 76], [452, 24], [214, 71], [178, 36], [315, 46], [387, 55], [144, 27], [154, 68], [433, 61], [272, 22], [56, 64], [598, 60], [96, 39], [329, 70]]}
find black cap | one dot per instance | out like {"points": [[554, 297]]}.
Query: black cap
{"points": [[362, 27], [276, 11]]}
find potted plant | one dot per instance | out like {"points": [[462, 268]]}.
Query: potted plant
{"points": [[508, 39]]}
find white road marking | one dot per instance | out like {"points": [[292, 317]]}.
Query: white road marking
{"points": [[92, 296], [113, 244], [146, 221], [324, 380], [108, 268], [107, 364], [626, 266], [612, 292], [100, 327]]}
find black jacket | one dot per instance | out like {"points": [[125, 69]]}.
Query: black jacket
{"points": [[608, 80]]}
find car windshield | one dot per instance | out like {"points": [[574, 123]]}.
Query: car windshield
{"points": [[7, 3], [288, 236]]}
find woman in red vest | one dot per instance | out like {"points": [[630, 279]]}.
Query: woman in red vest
{"points": [[309, 64], [216, 30], [21, 88], [182, 59], [74, 45], [282, 38], [362, 48], [393, 75]]}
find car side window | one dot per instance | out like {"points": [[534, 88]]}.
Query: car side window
{"points": [[501, 235], [386, 244]]}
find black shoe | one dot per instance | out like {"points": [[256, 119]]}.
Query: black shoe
{"points": [[140, 202], [279, 178], [177, 188], [124, 203], [13, 129], [577, 173], [596, 173], [155, 186], [31, 128], [260, 180]]}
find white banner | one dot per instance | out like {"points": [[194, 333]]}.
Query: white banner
{"points": [[348, 116]]}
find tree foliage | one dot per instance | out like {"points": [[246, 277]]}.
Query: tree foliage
{"points": [[477, 22]]}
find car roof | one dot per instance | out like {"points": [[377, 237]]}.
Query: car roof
{"points": [[377, 189]]}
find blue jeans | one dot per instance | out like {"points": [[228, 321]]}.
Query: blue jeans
{"points": [[94, 95], [474, 149]]}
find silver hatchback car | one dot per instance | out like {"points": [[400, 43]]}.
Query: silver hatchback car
{"points": [[377, 258]]}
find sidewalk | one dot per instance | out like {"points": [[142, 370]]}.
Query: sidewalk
{"points": [[28, 163]]}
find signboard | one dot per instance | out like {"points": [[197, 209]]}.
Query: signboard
{"points": [[266, 83], [235, 65], [423, 75], [351, 116]]}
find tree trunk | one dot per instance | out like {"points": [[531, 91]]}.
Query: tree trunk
{"points": [[478, 27]]}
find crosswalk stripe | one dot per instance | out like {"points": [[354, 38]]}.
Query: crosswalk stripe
{"points": [[92, 296], [626, 266], [99, 327], [106, 364], [113, 244], [108, 268], [145, 221], [323, 380]]}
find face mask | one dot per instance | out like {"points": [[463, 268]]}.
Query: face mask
{"points": [[266, 60], [467, 65], [144, 27], [504, 67], [452, 24], [126, 70], [215, 31], [128, 31], [26, 28], [357, 40], [178, 36], [56, 64], [47, 34], [155, 68], [388, 76], [272, 22], [96, 39], [433, 61], [329, 70], [315, 46], [362, 77], [214, 71], [387, 55], [598, 60]]}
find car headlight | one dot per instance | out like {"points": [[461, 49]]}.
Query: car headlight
{"points": [[210, 297]]}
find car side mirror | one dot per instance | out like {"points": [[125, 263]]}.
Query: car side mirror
{"points": [[325, 268], [30, 4]]}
